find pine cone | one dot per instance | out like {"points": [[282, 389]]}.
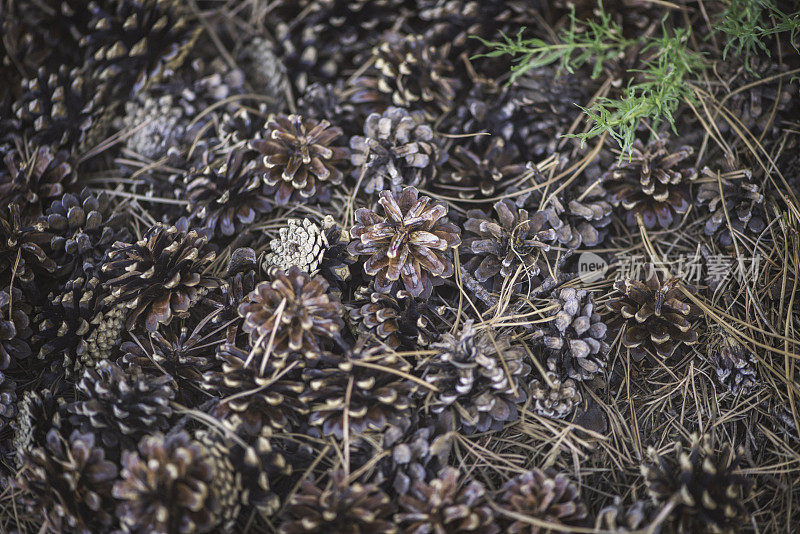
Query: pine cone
{"points": [[300, 243], [621, 519], [266, 71], [398, 150], [156, 124], [32, 182], [320, 101], [547, 496], [298, 157], [440, 506], [486, 108], [14, 326], [226, 196], [652, 182], [735, 366], [161, 275], [339, 507], [574, 337], [8, 401], [556, 399], [132, 42], [37, 413], [703, 482], [121, 406], [59, 107], [480, 379], [656, 318], [272, 401], [83, 228], [743, 203], [173, 483], [407, 72], [301, 305], [21, 247], [409, 241], [68, 481], [365, 389], [237, 127], [588, 212], [483, 169]]}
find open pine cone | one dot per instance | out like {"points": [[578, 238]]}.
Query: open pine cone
{"points": [[554, 397], [483, 168], [21, 245], [735, 366], [34, 181], [408, 242], [743, 203]]}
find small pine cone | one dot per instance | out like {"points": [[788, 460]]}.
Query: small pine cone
{"points": [[68, 481], [273, 402], [59, 107], [156, 124], [621, 519], [227, 196], [339, 507], [656, 317], [300, 243], [652, 182], [483, 169], [736, 367], [160, 276], [33, 182], [21, 246], [395, 319], [575, 335], [409, 241], [556, 399], [319, 101], [364, 389], [121, 406], [480, 379], [547, 496], [743, 203], [265, 70], [703, 482], [36, 414], [407, 72], [297, 157], [512, 240], [8, 401], [64, 324], [83, 228], [294, 313], [171, 484], [132, 42], [398, 149], [487, 108], [104, 338], [15, 329], [443, 506]]}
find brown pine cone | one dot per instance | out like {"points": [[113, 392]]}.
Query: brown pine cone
{"points": [[365, 390], [338, 507], [483, 168], [68, 481], [409, 241], [32, 182], [547, 496], [37, 413], [398, 149], [440, 506], [297, 157], [704, 482], [557, 399], [293, 313], [21, 245], [160, 276], [744, 205], [735, 366], [656, 317], [15, 331], [653, 182], [480, 379]]}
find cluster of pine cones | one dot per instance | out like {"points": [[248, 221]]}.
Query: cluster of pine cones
{"points": [[280, 264]]}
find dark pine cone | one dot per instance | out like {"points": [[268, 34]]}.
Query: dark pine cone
{"points": [[8, 401], [227, 195], [480, 379], [483, 168], [656, 317], [703, 482], [68, 481], [132, 42], [172, 484], [575, 335], [294, 313], [407, 72], [83, 228], [161, 275], [743, 203], [297, 157], [398, 149], [339, 507], [21, 246], [265, 70], [15, 329], [440, 506], [37, 413], [121, 406], [735, 366], [547, 496], [319, 101], [652, 182], [59, 107], [409, 241], [364, 389], [34, 181]]}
